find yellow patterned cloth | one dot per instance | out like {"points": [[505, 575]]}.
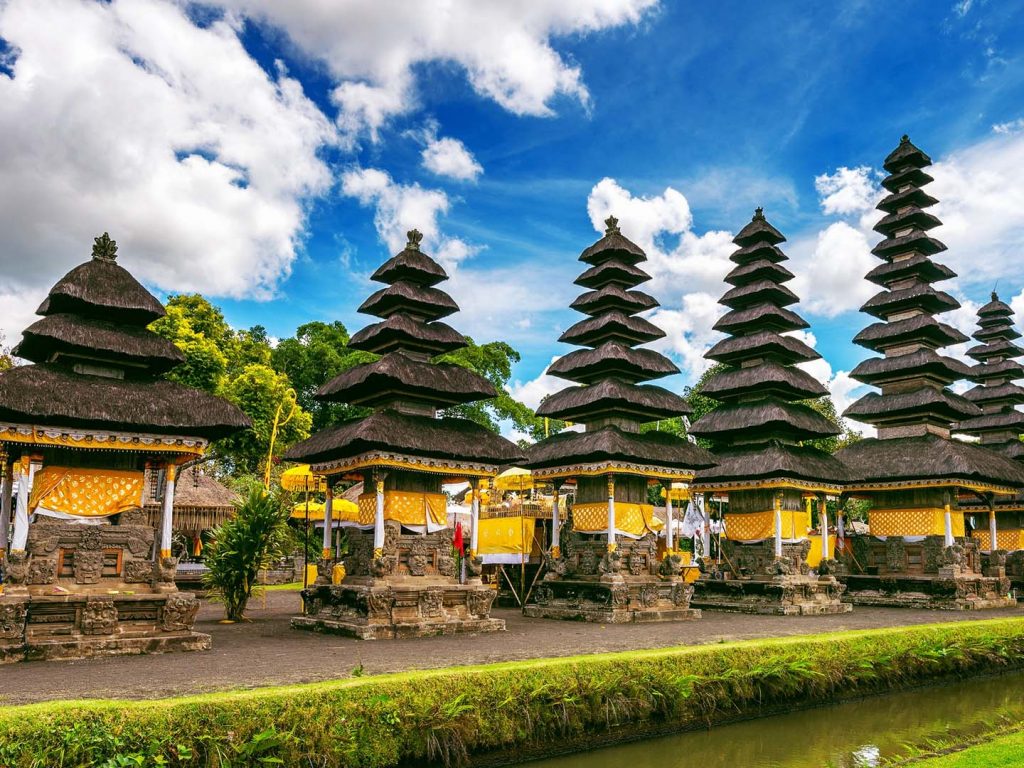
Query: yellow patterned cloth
{"points": [[506, 536], [1011, 539], [924, 521], [87, 492], [631, 519], [814, 556], [755, 526], [406, 507]]}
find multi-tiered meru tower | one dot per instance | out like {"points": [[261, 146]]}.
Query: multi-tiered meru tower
{"points": [[758, 433], [604, 563], [402, 579], [998, 519], [913, 472]]}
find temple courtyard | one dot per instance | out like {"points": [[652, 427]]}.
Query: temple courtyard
{"points": [[267, 652]]}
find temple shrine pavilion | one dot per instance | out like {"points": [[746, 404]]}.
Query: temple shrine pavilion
{"points": [[606, 567], [998, 519], [913, 473], [88, 431], [759, 434], [402, 579]]}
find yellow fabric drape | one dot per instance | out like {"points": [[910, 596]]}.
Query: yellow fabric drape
{"points": [[925, 521], [814, 556], [341, 509], [301, 478], [754, 526], [87, 492], [1011, 539], [630, 518], [405, 507], [506, 536]]}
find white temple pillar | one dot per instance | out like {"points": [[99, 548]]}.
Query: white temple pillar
{"points": [[167, 521], [669, 521], [378, 518], [706, 528], [556, 524], [778, 526], [474, 516], [948, 520], [21, 507], [6, 488], [611, 513], [823, 521], [328, 519]]}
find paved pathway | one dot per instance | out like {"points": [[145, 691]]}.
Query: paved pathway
{"points": [[267, 652]]}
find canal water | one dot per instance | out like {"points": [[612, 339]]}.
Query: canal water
{"points": [[857, 734]]}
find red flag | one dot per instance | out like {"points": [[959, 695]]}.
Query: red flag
{"points": [[457, 543]]}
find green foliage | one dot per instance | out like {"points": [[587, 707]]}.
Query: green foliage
{"points": [[244, 545], [442, 717]]}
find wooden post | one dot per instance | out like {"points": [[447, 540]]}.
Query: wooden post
{"points": [[167, 521], [556, 534], [328, 520], [611, 513]]}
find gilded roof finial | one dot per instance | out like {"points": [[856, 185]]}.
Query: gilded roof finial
{"points": [[758, 213], [415, 236], [612, 225], [104, 249]]}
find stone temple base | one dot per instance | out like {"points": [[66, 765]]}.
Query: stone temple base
{"points": [[613, 599], [960, 592], [384, 610], [779, 595]]}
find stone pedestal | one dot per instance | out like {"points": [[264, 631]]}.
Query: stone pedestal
{"points": [[758, 582], [587, 583], [924, 574], [411, 591]]}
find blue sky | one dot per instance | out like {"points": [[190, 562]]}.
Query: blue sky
{"points": [[682, 117]]}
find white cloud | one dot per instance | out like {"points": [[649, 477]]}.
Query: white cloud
{"points": [[1011, 126], [449, 157], [847, 191], [372, 48], [533, 392], [830, 280], [127, 117], [402, 207]]}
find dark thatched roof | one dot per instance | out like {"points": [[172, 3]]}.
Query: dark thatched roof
{"points": [[614, 245], [658, 449], [47, 395], [613, 297], [612, 273], [874, 408], [918, 265], [398, 376], [996, 349], [614, 397], [906, 155], [782, 381], [758, 292], [1006, 369], [403, 332], [919, 296], [195, 488], [1001, 420], [996, 308], [763, 317], [910, 217], [767, 344], [1009, 393], [611, 325], [103, 289], [403, 296], [760, 269], [995, 332], [912, 176], [612, 359], [770, 417], [912, 196], [411, 265], [924, 362], [922, 328], [758, 251], [916, 241], [928, 457], [448, 438], [758, 231], [775, 461]]}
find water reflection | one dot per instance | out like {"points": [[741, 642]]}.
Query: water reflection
{"points": [[859, 734]]}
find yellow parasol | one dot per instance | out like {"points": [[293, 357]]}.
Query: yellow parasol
{"points": [[341, 509], [680, 492], [301, 478], [514, 479]]}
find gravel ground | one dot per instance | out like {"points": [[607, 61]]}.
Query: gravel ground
{"points": [[266, 651]]}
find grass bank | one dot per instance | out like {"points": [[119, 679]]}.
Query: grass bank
{"points": [[519, 708], [1001, 752]]}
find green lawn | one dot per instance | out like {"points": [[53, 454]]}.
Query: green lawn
{"points": [[1002, 752]]}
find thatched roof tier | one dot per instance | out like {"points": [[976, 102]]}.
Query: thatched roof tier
{"points": [[1004, 370], [906, 155], [998, 421], [911, 196], [612, 297], [200, 502], [995, 308], [762, 317], [50, 395], [925, 363], [995, 333], [400, 331], [612, 359], [757, 251], [902, 462], [916, 241], [758, 231], [86, 338], [920, 296], [417, 300], [612, 398], [103, 289], [613, 246], [913, 177], [925, 404], [396, 376], [612, 273], [389, 430], [917, 266], [792, 464], [761, 420], [921, 329], [654, 449], [758, 292], [411, 266], [767, 344], [770, 379], [611, 326], [760, 269], [911, 216], [997, 350], [996, 395]]}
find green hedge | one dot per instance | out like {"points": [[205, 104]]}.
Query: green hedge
{"points": [[446, 716]]}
